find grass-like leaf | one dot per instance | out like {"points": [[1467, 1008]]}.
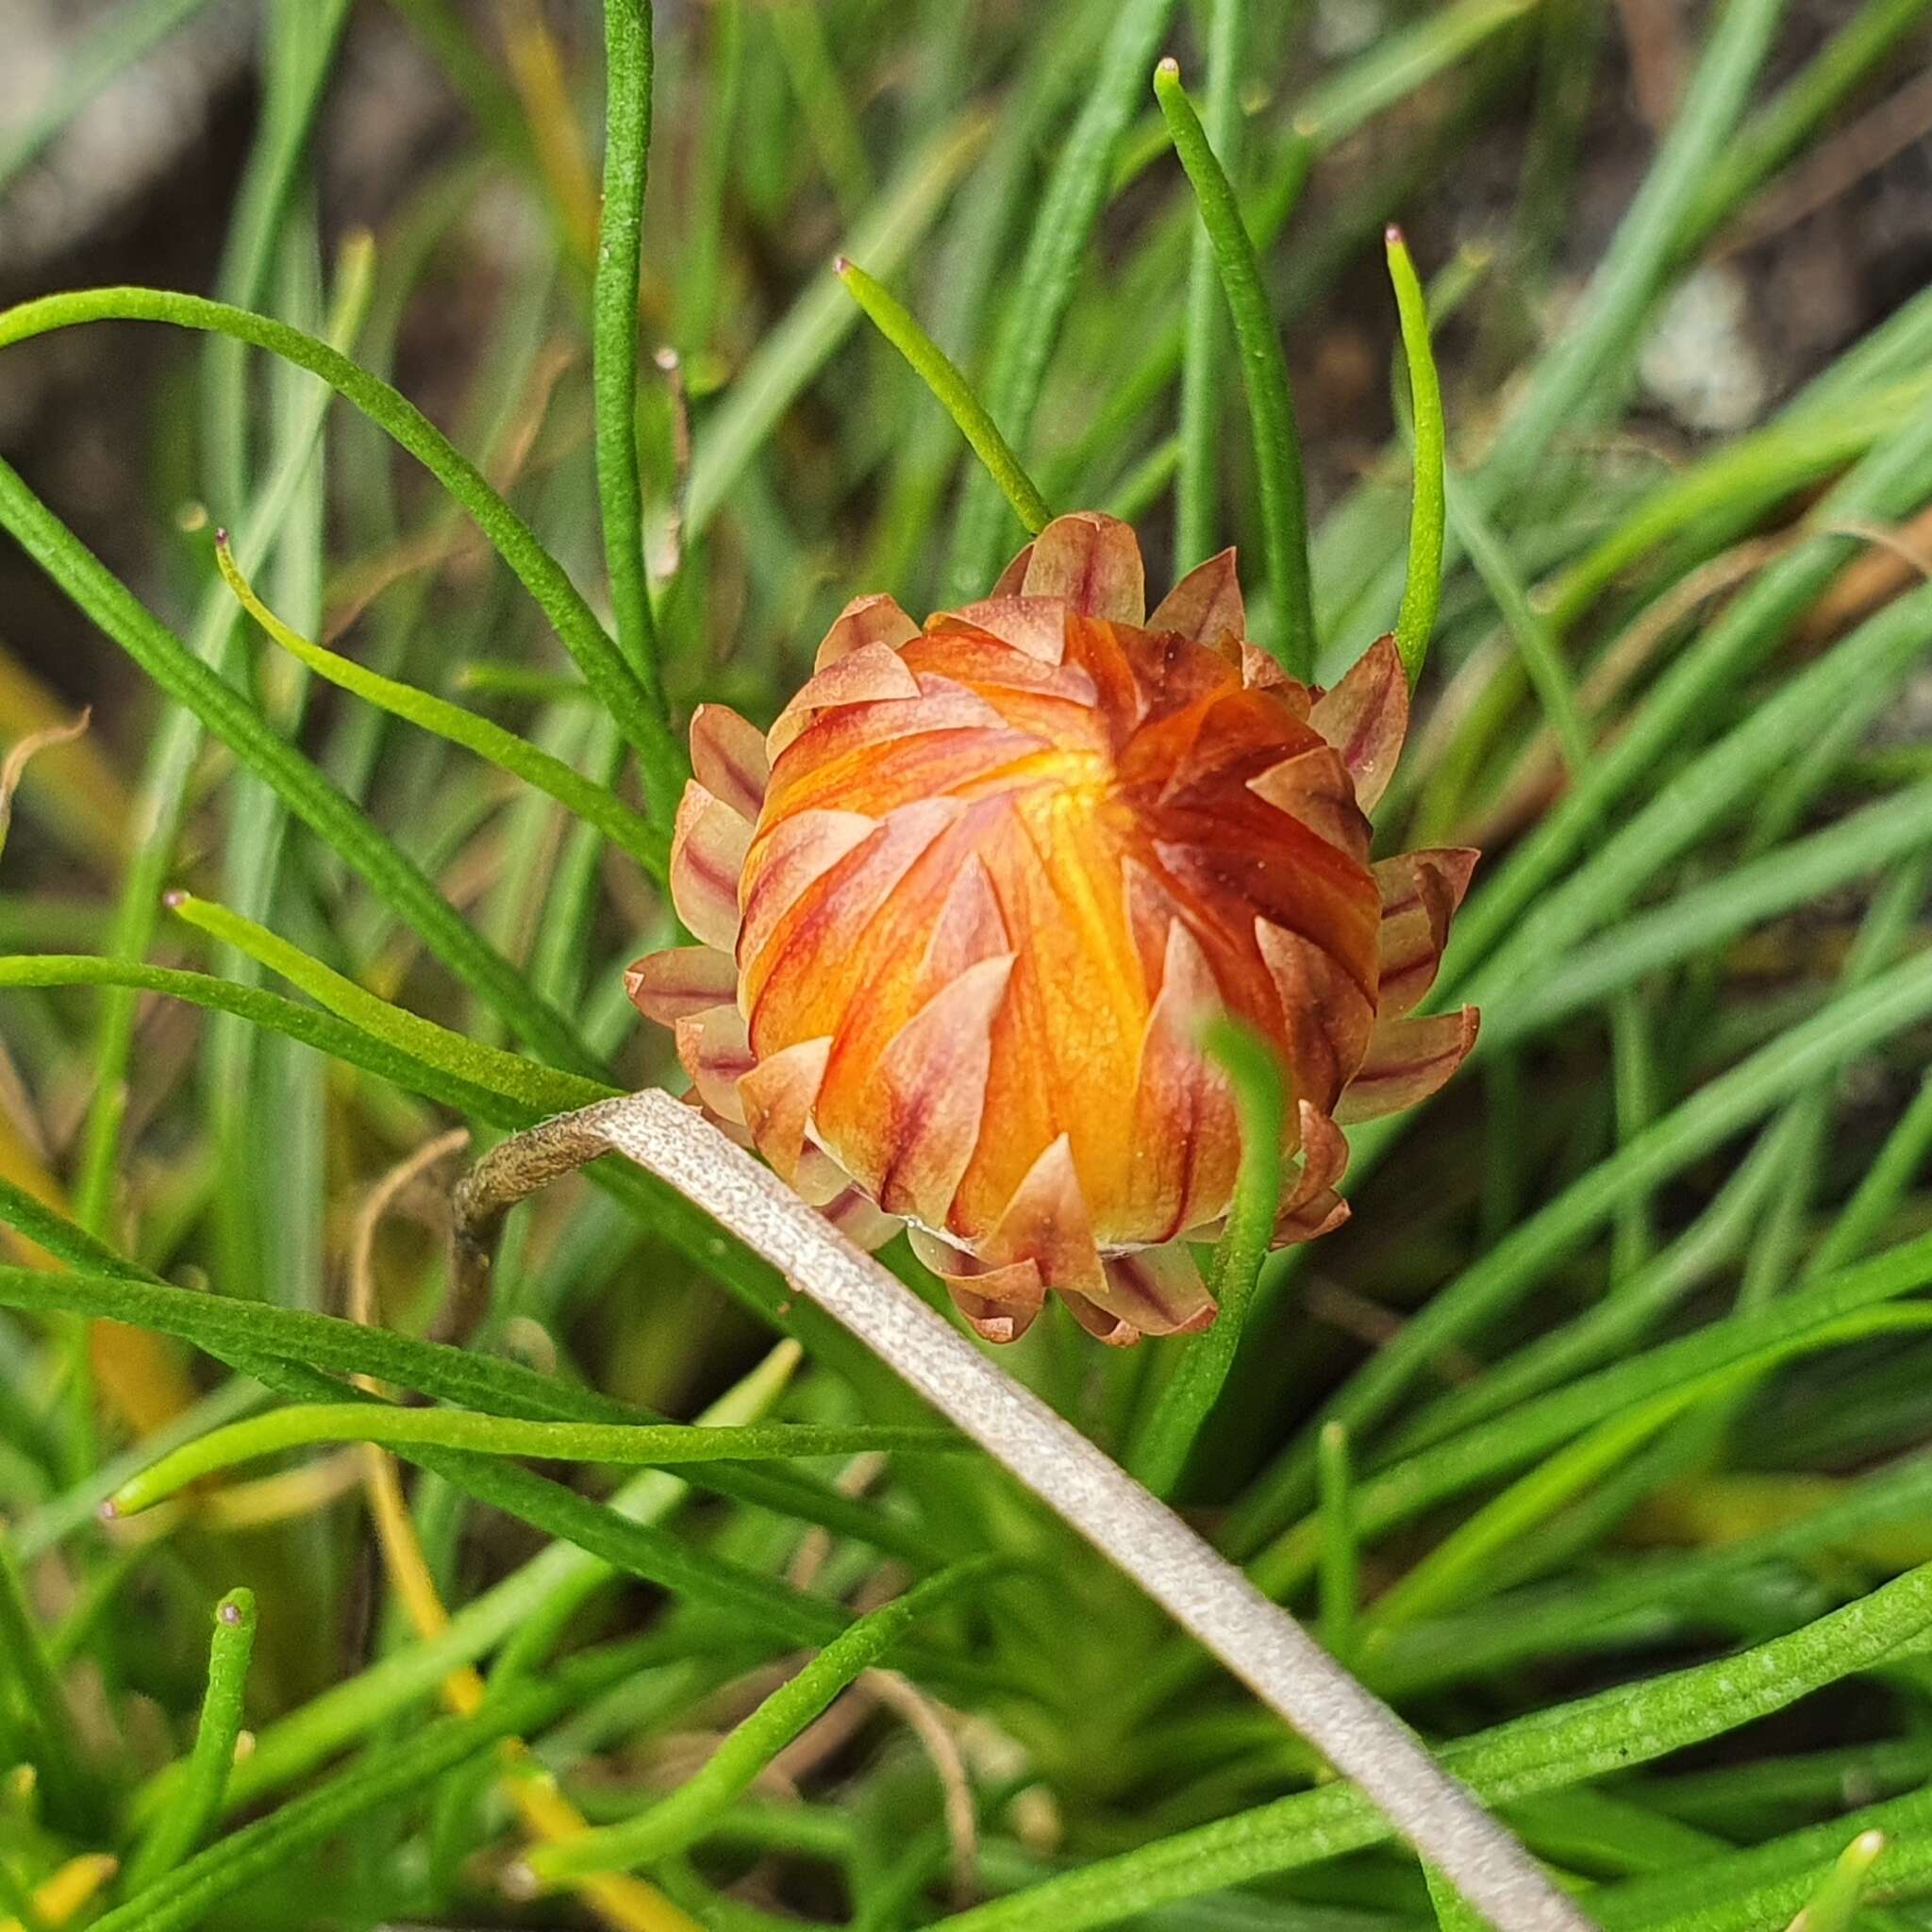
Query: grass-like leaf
{"points": [[1264, 372]]}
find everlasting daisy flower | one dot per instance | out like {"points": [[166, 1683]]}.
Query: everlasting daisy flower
{"points": [[965, 906]]}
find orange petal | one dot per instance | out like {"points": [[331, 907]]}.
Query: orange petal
{"points": [[1260, 671], [669, 986], [1421, 892], [1186, 1143], [1314, 788], [1407, 1060], [1206, 605], [1092, 562], [1320, 1215], [860, 1221], [778, 1095], [1366, 719], [707, 848], [1046, 1221], [734, 1131], [1114, 1330], [1159, 1290], [1000, 1303], [727, 753], [818, 1178], [862, 676], [1325, 1159], [717, 1055], [1328, 1018], [788, 860], [971, 928], [930, 1093], [877, 620], [1009, 581], [1035, 626]]}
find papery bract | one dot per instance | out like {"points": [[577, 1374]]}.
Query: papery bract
{"points": [[964, 907]]}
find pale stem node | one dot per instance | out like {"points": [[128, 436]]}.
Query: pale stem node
{"points": [[1205, 1594]]}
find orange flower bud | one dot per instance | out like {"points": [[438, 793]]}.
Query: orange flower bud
{"points": [[964, 906]]}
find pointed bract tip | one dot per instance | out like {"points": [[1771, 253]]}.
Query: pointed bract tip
{"points": [[841, 264], [221, 537]]}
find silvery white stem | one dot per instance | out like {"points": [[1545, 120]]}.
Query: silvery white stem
{"points": [[1209, 1596]]}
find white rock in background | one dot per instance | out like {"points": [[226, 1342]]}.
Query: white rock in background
{"points": [[1700, 363]]}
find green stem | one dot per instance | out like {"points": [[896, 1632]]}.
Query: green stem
{"points": [[614, 354], [1182, 1405], [644, 839], [1264, 368], [204, 1784], [654, 1444], [936, 369], [1421, 593], [576, 626], [1203, 346], [679, 1820]]}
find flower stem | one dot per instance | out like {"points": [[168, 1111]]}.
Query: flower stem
{"points": [[937, 370], [1271, 403]]}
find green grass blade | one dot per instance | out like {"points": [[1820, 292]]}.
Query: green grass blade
{"points": [[1204, 353], [679, 1820], [577, 626], [181, 1829], [932, 365], [627, 70], [1044, 282], [1264, 371], [644, 839], [1422, 591], [117, 43], [657, 1446], [1181, 1404], [793, 352], [301, 787]]}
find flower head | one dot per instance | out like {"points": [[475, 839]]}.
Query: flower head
{"points": [[964, 907]]}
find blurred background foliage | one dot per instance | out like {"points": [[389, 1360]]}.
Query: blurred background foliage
{"points": [[1619, 1365]]}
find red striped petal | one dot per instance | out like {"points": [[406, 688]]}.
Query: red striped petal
{"points": [[877, 620], [727, 753], [707, 848], [668, 987], [1421, 892], [1093, 562], [1407, 1060], [1206, 605]]}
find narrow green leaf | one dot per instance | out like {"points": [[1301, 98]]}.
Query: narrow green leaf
{"points": [[1264, 370], [577, 629], [1204, 353], [658, 1445], [1180, 1405], [1340, 1586], [645, 840], [1422, 593], [681, 1819], [627, 71], [178, 1830], [1048, 272], [900, 327], [331, 816]]}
